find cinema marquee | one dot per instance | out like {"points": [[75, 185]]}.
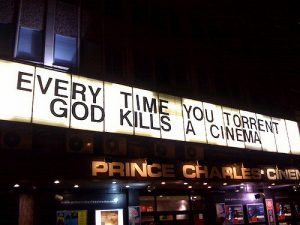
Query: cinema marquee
{"points": [[41, 96]]}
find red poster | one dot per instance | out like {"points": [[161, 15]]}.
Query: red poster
{"points": [[270, 212]]}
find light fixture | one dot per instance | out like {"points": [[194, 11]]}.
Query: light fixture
{"points": [[160, 196], [237, 190], [56, 182], [224, 184], [242, 184], [273, 184], [190, 186], [76, 186], [114, 182], [204, 183], [127, 186], [209, 187], [16, 185], [185, 183], [269, 187], [241, 187], [163, 182], [262, 172]]}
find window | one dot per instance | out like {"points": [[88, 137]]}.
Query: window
{"points": [[7, 31], [7, 26], [66, 34], [172, 203], [30, 45], [147, 203], [65, 50]]}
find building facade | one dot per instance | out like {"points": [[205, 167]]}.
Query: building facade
{"points": [[149, 112]]}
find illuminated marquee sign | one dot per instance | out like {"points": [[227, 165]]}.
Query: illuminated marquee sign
{"points": [[42, 96], [190, 171]]}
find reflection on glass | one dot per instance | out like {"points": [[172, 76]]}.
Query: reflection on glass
{"points": [[172, 203], [109, 217], [182, 217], [283, 211], [197, 202], [146, 203], [165, 217], [234, 214], [256, 213], [147, 220]]}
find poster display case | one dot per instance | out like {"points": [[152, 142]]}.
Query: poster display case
{"points": [[256, 213], [283, 211], [71, 217], [234, 214], [109, 217]]}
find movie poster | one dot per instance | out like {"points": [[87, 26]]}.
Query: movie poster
{"points": [[134, 215], [74, 217], [109, 217], [234, 214], [220, 210], [256, 213]]}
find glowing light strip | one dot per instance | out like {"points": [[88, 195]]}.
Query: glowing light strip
{"points": [[42, 96]]}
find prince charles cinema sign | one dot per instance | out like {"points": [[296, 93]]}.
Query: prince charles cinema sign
{"points": [[41, 96]]}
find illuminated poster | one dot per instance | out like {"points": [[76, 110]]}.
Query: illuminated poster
{"points": [[51, 104], [256, 213], [293, 131], [171, 119], [234, 214], [214, 124], [250, 130], [267, 129], [193, 116], [118, 105], [281, 136], [74, 217], [109, 217], [283, 211], [87, 109], [233, 127], [220, 211], [134, 215], [146, 108], [270, 212], [16, 85], [42, 96]]}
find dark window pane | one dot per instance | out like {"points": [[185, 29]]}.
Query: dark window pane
{"points": [[32, 14], [90, 57], [147, 203], [7, 32], [162, 72], [65, 50], [7, 27], [30, 44], [66, 19], [114, 62], [142, 66], [172, 203]]}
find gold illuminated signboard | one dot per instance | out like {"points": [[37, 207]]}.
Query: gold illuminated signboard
{"points": [[192, 171], [42, 96]]}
